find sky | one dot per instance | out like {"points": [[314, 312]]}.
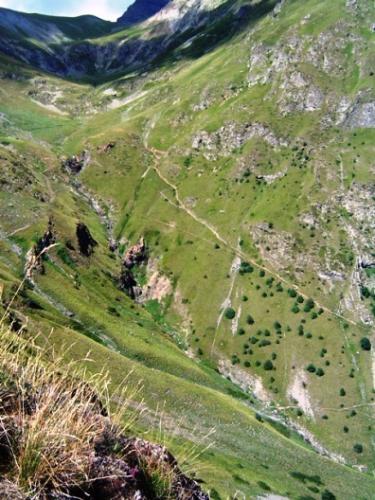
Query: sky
{"points": [[106, 9]]}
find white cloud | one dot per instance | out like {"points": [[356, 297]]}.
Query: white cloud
{"points": [[101, 8], [106, 9], [14, 4]]}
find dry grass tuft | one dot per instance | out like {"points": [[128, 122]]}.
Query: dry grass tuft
{"points": [[52, 413]]}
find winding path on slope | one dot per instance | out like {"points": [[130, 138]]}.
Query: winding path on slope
{"points": [[157, 155]]}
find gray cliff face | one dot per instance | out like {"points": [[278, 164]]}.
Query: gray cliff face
{"points": [[141, 10]]}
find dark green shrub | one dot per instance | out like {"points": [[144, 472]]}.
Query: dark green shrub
{"points": [[311, 368], [320, 372], [365, 344], [245, 268], [358, 448], [292, 293], [342, 392], [304, 478], [314, 489], [112, 310], [268, 365], [328, 495], [310, 304], [264, 486], [269, 282], [295, 309], [250, 320], [241, 331], [365, 292], [262, 273], [300, 299], [264, 343], [230, 313], [235, 359]]}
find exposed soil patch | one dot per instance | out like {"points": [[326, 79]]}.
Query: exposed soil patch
{"points": [[297, 392], [158, 285]]}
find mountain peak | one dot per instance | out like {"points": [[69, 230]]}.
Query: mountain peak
{"points": [[141, 10]]}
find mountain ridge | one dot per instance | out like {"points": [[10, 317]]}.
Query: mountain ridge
{"points": [[100, 48], [140, 11]]}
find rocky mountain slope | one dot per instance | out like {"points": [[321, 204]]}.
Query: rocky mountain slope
{"points": [[206, 223], [140, 11], [75, 48]]}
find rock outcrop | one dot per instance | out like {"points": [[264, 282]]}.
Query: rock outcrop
{"points": [[86, 242], [362, 115], [134, 256], [35, 256], [128, 284], [141, 10], [233, 135], [76, 163]]}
